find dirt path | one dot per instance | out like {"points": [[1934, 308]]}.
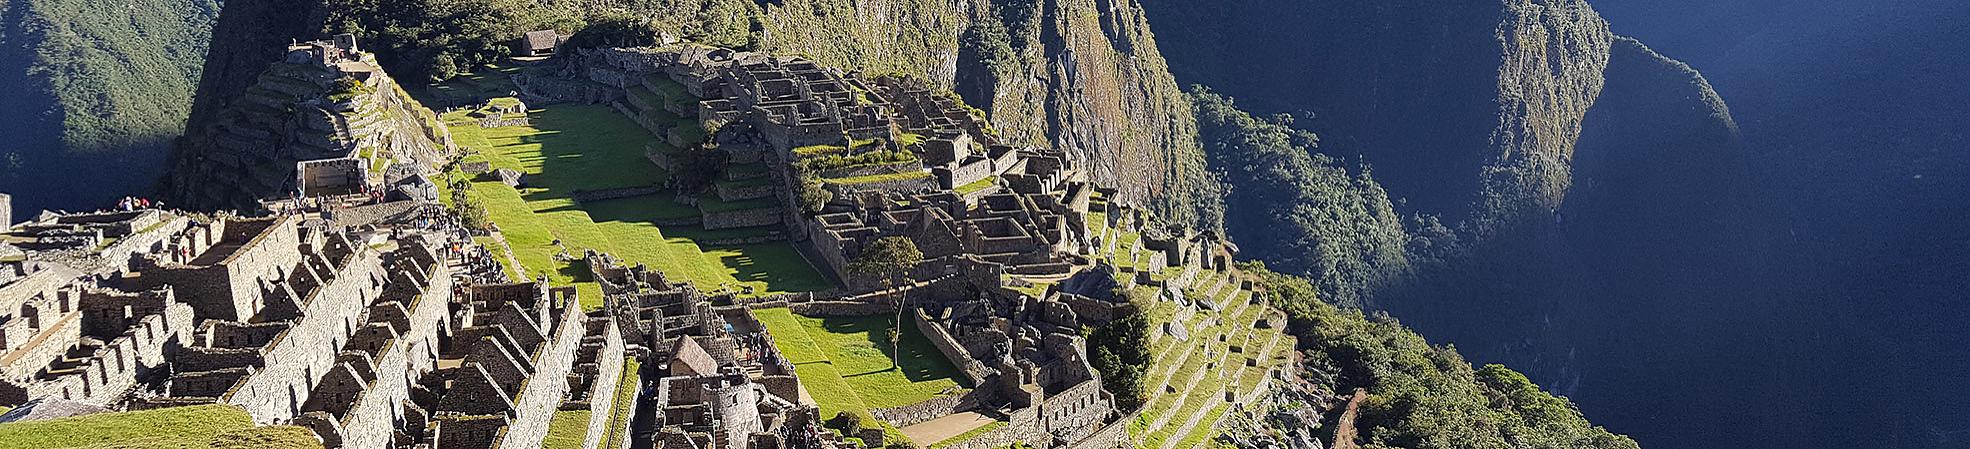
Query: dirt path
{"points": [[940, 429]]}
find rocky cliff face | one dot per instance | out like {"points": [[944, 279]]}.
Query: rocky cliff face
{"points": [[1081, 75]]}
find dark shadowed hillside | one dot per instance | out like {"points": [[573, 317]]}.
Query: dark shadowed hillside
{"points": [[95, 91], [1611, 232]]}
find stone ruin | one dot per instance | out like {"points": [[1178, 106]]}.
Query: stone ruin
{"points": [[719, 380], [297, 321], [292, 134]]}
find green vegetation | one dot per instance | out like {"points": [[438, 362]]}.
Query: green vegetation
{"points": [[842, 363], [617, 30], [869, 159], [1120, 351], [117, 77], [347, 89], [812, 196], [571, 148], [1422, 395], [816, 150], [201, 426], [1338, 228], [567, 430], [438, 39], [885, 177], [975, 186], [626, 388], [889, 259]]}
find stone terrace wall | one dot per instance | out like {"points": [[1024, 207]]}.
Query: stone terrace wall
{"points": [[899, 186], [541, 395], [585, 196], [1113, 436], [741, 218], [841, 308]]}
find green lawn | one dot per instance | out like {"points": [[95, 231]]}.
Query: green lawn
{"points": [[590, 147], [976, 185], [568, 430], [855, 351], [625, 393], [885, 177], [202, 426]]}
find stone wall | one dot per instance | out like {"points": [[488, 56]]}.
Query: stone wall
{"points": [[537, 90], [738, 192], [540, 396], [741, 218], [972, 369], [934, 408], [586, 196], [898, 186], [112, 370], [1076, 412], [365, 215], [602, 394], [1115, 435], [841, 308], [372, 421], [301, 356], [871, 169]]}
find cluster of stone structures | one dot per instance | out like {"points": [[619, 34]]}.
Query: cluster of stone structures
{"points": [[901, 160], [322, 121], [717, 380], [373, 335]]}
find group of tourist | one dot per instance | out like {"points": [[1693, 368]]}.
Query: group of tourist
{"points": [[130, 203]]}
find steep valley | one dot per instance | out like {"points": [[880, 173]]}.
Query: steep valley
{"points": [[1607, 225], [94, 93]]}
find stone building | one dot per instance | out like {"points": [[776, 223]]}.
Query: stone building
{"points": [[719, 382], [506, 369]]}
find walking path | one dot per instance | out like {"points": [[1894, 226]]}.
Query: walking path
{"points": [[940, 429]]}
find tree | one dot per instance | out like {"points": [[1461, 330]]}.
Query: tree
{"points": [[1120, 350], [887, 259], [812, 196], [617, 30], [699, 168]]}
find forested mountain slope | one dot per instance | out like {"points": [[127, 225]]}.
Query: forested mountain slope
{"points": [[94, 92], [1566, 186]]}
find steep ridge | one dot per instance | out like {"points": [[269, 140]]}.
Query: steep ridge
{"points": [[1082, 75], [1466, 109], [1591, 181], [102, 86]]}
